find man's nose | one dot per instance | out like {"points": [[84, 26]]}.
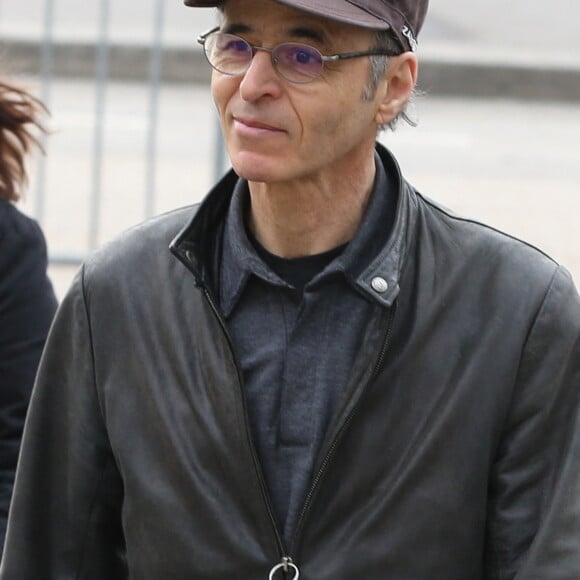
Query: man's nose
{"points": [[261, 78]]}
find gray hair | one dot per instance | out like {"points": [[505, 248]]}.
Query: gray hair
{"points": [[379, 65]]}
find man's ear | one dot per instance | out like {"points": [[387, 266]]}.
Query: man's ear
{"points": [[401, 78]]}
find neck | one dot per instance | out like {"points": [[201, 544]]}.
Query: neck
{"points": [[311, 216]]}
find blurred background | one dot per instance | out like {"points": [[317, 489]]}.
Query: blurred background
{"points": [[133, 130]]}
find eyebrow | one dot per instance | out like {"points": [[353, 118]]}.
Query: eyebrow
{"points": [[299, 32], [236, 28], [308, 33]]}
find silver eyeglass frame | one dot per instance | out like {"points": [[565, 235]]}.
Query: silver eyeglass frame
{"points": [[201, 39]]}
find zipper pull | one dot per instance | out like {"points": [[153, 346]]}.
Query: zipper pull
{"points": [[285, 565]]}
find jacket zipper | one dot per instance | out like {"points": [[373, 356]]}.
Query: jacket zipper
{"points": [[284, 559], [332, 449]]}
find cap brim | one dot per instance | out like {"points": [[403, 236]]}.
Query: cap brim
{"points": [[200, 3], [340, 11]]}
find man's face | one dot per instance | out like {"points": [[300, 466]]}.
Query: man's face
{"points": [[277, 131]]}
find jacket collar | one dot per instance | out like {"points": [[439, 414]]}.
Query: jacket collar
{"points": [[198, 245]]}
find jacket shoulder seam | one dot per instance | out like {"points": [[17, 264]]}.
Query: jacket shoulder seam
{"points": [[451, 215]]}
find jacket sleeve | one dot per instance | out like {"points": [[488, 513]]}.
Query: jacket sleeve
{"points": [[65, 518], [27, 306], [534, 501]]}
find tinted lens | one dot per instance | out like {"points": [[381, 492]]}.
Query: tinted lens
{"points": [[227, 53], [298, 63]]}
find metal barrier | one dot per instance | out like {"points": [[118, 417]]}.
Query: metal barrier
{"points": [[101, 51]]}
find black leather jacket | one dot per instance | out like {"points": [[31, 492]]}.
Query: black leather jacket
{"points": [[455, 457]]}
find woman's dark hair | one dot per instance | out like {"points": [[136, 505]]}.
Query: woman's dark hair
{"points": [[20, 119]]}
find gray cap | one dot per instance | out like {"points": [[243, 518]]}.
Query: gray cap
{"points": [[403, 17]]}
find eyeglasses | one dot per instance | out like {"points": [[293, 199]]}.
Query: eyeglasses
{"points": [[296, 62]]}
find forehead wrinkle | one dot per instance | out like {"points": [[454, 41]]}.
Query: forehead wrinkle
{"points": [[299, 26]]}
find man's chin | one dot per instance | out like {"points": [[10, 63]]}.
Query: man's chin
{"points": [[256, 168]]}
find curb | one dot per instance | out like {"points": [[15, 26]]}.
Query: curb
{"points": [[125, 62], [438, 76], [511, 80]]}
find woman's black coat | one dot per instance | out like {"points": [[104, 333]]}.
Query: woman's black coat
{"points": [[27, 305]]}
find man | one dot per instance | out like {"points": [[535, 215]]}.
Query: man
{"points": [[330, 376]]}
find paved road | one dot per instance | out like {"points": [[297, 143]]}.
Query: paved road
{"points": [[513, 165]]}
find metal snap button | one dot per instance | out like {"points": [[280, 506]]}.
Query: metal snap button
{"points": [[379, 285]]}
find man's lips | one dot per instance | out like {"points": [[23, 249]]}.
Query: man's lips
{"points": [[254, 126]]}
